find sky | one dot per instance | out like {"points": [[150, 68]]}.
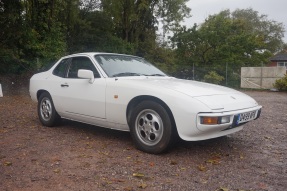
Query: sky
{"points": [[275, 10]]}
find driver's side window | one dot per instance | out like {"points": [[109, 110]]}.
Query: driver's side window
{"points": [[78, 63]]}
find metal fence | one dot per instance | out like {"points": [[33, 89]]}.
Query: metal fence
{"points": [[233, 76], [228, 73]]}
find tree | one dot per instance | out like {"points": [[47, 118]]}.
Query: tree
{"points": [[31, 31], [171, 13], [35, 32], [213, 77], [225, 38], [10, 35], [136, 19], [241, 38], [270, 31], [93, 32], [284, 49]]}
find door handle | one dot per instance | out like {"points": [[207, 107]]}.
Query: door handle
{"points": [[65, 85]]}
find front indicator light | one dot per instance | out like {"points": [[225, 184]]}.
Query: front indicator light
{"points": [[225, 119], [214, 120], [209, 120]]}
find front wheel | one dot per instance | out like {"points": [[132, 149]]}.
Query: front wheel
{"points": [[46, 110], [151, 127]]}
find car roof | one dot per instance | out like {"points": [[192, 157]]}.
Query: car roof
{"points": [[96, 53]]}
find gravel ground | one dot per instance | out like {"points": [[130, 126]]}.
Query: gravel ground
{"points": [[75, 156]]}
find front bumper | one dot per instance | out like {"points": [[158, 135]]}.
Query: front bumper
{"points": [[233, 123]]}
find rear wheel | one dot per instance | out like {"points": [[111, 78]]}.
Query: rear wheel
{"points": [[46, 110], [151, 127]]}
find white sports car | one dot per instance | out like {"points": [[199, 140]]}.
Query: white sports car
{"points": [[127, 93]]}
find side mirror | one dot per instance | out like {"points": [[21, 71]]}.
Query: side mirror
{"points": [[86, 74]]}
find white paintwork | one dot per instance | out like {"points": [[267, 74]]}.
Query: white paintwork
{"points": [[86, 74], [104, 102], [1, 93]]}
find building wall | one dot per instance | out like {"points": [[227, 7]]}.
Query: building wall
{"points": [[272, 64], [261, 77]]}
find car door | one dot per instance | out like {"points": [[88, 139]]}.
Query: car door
{"points": [[79, 98]]}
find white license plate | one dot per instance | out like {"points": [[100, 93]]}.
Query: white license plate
{"points": [[248, 116]]}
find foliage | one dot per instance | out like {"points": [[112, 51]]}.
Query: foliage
{"points": [[213, 77], [270, 32], [163, 58], [93, 32], [10, 34], [284, 48], [135, 20], [281, 84], [237, 38], [31, 31], [34, 33], [223, 38]]}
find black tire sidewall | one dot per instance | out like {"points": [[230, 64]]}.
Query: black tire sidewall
{"points": [[54, 117], [167, 137]]}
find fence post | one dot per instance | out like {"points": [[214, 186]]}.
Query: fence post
{"points": [[193, 71], [261, 75], [226, 65]]}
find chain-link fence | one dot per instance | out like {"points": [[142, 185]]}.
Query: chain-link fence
{"points": [[227, 74]]}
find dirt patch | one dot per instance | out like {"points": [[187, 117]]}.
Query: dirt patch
{"points": [[75, 156]]}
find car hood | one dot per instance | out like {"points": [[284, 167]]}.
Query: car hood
{"points": [[214, 96], [188, 87]]}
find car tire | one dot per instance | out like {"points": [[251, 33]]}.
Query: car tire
{"points": [[46, 111], [151, 127]]}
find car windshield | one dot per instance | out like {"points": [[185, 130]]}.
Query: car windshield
{"points": [[123, 65]]}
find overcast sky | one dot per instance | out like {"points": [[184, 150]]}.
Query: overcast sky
{"points": [[275, 9]]}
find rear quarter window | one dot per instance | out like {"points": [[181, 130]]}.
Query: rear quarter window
{"points": [[61, 68]]}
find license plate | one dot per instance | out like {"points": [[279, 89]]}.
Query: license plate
{"points": [[248, 116]]}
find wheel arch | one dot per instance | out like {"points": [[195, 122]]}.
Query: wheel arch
{"points": [[48, 116], [39, 92], [136, 100]]}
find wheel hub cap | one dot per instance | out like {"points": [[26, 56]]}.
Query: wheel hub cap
{"points": [[149, 127], [46, 109]]}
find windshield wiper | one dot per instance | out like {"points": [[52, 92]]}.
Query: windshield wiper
{"points": [[126, 74], [156, 75]]}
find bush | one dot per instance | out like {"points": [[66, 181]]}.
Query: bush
{"points": [[281, 84], [213, 77]]}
